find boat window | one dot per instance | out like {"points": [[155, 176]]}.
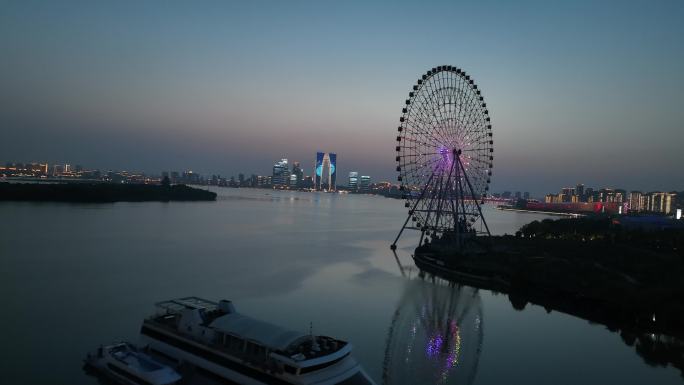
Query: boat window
{"points": [[255, 349], [205, 353], [234, 343], [290, 369], [357, 379]]}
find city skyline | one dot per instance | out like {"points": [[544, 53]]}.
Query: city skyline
{"points": [[173, 86], [564, 195]]}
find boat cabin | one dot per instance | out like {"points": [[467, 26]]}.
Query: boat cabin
{"points": [[257, 342]]}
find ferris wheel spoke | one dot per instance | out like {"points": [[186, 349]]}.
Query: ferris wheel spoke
{"points": [[428, 99], [431, 122], [420, 129], [436, 105]]}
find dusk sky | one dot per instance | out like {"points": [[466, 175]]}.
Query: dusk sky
{"points": [[578, 91]]}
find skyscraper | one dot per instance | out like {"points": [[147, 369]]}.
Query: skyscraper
{"points": [[297, 176], [325, 171], [579, 190], [364, 185], [353, 181], [281, 173], [567, 193]]}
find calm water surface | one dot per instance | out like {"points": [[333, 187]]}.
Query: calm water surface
{"points": [[75, 276]]}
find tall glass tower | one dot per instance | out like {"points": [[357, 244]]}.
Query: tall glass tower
{"points": [[281, 173], [325, 171], [353, 181]]}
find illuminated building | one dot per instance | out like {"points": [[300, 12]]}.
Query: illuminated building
{"points": [[325, 171], [566, 194], [57, 169], [660, 202], [353, 181], [579, 191], [297, 177], [189, 177], [581, 207], [263, 181], [636, 201], [307, 182], [610, 195], [364, 185], [281, 173]]}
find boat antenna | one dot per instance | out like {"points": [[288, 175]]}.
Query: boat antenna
{"points": [[314, 344]]}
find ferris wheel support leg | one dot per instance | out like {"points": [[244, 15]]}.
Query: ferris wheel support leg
{"points": [[472, 193], [393, 246]]}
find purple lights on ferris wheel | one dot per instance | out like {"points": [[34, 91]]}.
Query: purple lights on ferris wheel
{"points": [[445, 346], [446, 159]]}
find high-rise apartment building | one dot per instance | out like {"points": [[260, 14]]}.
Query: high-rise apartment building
{"points": [[660, 202], [297, 177], [567, 193], [281, 173], [636, 201], [579, 191], [353, 184], [364, 184]]}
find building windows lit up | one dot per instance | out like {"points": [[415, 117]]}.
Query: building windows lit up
{"points": [[325, 171]]}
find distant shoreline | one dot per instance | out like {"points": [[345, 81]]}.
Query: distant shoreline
{"points": [[100, 193], [561, 214]]}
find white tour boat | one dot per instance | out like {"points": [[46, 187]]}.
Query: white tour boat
{"points": [[243, 350], [126, 364]]}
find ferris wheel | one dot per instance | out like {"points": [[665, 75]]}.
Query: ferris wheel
{"points": [[445, 155]]}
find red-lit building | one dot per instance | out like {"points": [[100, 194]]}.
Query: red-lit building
{"points": [[577, 207]]}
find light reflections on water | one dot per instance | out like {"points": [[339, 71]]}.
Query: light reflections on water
{"points": [[435, 336]]}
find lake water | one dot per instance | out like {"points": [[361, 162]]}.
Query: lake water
{"points": [[74, 276]]}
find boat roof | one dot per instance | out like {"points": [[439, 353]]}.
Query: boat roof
{"points": [[264, 333], [176, 305]]}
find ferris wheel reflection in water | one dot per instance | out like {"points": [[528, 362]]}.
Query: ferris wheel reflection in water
{"points": [[435, 336]]}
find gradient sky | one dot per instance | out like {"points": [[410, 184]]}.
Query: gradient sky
{"points": [[578, 91]]}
